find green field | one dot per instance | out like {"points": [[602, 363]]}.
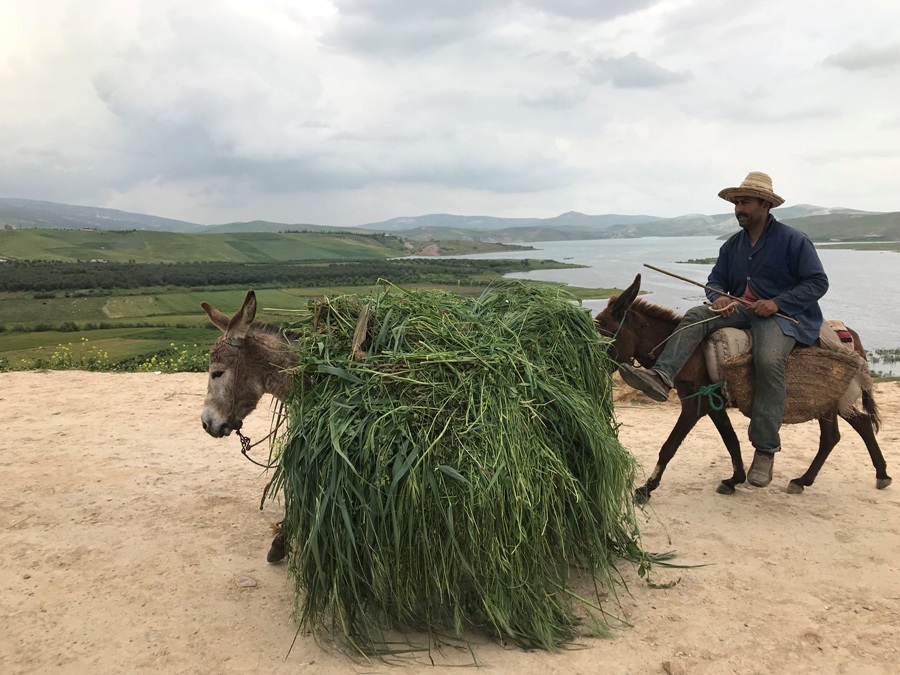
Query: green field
{"points": [[135, 326], [143, 246], [59, 309]]}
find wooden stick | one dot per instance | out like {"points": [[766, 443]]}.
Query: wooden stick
{"points": [[714, 290]]}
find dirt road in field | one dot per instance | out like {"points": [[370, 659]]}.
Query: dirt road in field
{"points": [[130, 542]]}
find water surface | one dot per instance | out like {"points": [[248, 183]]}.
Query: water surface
{"points": [[860, 292]]}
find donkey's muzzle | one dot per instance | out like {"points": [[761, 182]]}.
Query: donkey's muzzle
{"points": [[218, 428]]}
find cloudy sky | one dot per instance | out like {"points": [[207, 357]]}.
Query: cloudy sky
{"points": [[342, 112]]}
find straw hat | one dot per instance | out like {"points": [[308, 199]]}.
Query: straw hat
{"points": [[756, 184]]}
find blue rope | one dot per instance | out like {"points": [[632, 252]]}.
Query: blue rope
{"points": [[711, 391]]}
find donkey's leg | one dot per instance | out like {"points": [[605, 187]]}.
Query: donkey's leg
{"points": [[863, 426], [686, 421], [733, 445], [829, 435]]}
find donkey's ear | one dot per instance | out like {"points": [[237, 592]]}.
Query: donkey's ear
{"points": [[216, 316], [240, 323], [621, 304]]}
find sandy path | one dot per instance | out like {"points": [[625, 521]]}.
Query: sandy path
{"points": [[124, 530]]}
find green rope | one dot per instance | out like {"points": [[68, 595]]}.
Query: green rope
{"points": [[711, 391]]}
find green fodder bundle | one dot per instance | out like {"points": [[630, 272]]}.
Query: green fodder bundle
{"points": [[457, 470]]}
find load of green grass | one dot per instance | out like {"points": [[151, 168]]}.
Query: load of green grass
{"points": [[449, 463]]}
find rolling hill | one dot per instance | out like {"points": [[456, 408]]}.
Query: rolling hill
{"points": [[29, 213], [145, 246], [821, 223]]}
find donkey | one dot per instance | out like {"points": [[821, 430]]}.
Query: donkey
{"points": [[248, 360], [638, 327]]}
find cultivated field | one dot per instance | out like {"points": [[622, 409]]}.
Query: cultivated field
{"points": [[145, 322]]}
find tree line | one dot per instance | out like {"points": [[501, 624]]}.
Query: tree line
{"points": [[50, 276]]}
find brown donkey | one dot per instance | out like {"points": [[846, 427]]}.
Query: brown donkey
{"points": [[637, 328], [248, 361]]}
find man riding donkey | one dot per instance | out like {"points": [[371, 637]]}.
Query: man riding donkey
{"points": [[772, 268]]}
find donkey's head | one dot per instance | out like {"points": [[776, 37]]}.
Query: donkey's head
{"points": [[638, 328], [611, 323], [245, 363]]}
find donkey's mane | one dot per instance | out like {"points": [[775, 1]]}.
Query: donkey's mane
{"points": [[275, 331], [655, 311], [269, 328]]}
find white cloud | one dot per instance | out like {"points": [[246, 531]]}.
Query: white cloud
{"points": [[349, 111]]}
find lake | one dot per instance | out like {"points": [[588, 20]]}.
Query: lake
{"points": [[859, 292]]}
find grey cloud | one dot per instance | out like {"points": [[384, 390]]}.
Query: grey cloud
{"points": [[187, 150], [231, 102], [396, 11], [491, 175], [202, 124], [594, 10], [399, 27], [469, 168], [408, 37], [777, 113], [632, 72], [452, 159], [386, 11], [861, 57]]}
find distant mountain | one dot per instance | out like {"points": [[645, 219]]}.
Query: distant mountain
{"points": [[29, 213], [570, 219], [850, 226], [573, 225], [821, 223], [22, 213], [784, 213]]}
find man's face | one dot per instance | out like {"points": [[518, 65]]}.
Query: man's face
{"points": [[751, 212]]}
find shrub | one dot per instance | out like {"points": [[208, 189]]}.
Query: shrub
{"points": [[190, 359], [76, 357]]}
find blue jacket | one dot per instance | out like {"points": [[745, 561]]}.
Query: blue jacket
{"points": [[783, 267]]}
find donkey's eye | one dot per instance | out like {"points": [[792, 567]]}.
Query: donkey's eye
{"points": [[216, 374]]}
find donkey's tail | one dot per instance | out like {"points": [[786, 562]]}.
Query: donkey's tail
{"points": [[870, 408]]}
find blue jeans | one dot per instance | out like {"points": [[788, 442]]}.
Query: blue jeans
{"points": [[771, 348]]}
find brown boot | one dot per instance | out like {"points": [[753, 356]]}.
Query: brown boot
{"points": [[647, 381], [760, 473]]}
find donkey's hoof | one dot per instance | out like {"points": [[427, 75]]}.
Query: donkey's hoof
{"points": [[641, 496], [725, 488], [882, 483], [277, 551], [794, 488]]}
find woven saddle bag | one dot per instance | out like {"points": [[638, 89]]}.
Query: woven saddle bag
{"points": [[818, 378]]}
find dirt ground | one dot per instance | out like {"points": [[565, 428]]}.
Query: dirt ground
{"points": [[130, 541]]}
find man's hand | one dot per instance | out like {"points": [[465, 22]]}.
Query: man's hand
{"points": [[763, 307], [724, 306]]}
